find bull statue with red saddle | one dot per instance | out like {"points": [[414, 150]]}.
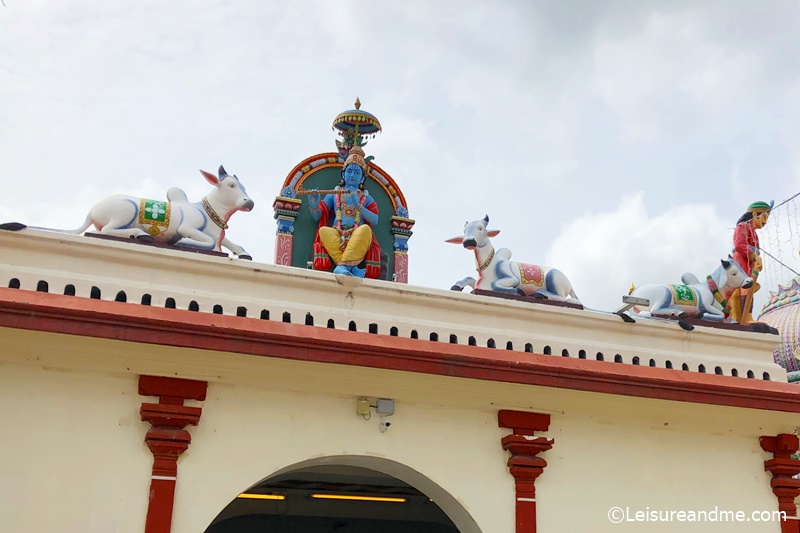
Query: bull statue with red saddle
{"points": [[496, 271]]}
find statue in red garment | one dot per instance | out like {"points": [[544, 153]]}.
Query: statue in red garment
{"points": [[747, 253]]}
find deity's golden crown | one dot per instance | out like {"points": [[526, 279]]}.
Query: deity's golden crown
{"points": [[356, 156]]}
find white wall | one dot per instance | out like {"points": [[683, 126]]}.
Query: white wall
{"points": [[72, 452], [597, 465], [247, 434], [73, 457]]}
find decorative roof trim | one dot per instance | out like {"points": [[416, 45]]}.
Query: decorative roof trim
{"points": [[171, 327]]}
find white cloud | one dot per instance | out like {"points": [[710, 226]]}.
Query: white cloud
{"points": [[533, 112], [676, 78], [603, 253]]}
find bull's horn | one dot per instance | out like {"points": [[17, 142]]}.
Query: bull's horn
{"points": [[222, 171], [725, 264], [486, 219]]}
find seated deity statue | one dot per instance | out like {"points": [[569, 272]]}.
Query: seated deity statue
{"points": [[345, 220]]}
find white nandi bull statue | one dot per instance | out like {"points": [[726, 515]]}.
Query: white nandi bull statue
{"points": [[695, 299], [496, 272], [177, 221]]}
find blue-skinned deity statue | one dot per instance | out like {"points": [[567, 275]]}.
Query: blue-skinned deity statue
{"points": [[345, 219]]}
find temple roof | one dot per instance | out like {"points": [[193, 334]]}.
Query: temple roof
{"points": [[144, 294], [783, 313]]}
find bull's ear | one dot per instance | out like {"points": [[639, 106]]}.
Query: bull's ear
{"points": [[455, 240], [492, 232], [222, 171], [211, 178], [725, 264]]}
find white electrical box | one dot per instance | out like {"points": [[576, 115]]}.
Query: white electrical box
{"points": [[385, 407]]}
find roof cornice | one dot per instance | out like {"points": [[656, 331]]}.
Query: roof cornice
{"points": [[69, 315]]}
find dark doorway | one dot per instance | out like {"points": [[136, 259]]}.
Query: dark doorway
{"points": [[332, 499]]}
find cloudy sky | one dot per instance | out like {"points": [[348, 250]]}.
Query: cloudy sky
{"points": [[617, 141]]}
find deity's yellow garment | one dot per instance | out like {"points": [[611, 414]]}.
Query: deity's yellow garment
{"points": [[355, 250]]}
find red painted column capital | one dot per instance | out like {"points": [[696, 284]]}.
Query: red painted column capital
{"points": [[167, 439], [524, 463], [784, 468]]}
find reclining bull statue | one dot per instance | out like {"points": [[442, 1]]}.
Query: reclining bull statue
{"points": [[496, 271], [694, 299], [177, 221]]}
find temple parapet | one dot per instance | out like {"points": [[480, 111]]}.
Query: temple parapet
{"points": [[35, 260]]}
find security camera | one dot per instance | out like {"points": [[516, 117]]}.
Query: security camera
{"points": [[384, 424]]}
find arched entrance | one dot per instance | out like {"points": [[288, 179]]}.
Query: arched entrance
{"points": [[345, 494]]}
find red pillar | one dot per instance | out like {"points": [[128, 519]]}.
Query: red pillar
{"points": [[783, 469], [167, 440], [524, 463]]}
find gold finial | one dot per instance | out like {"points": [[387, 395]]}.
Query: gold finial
{"points": [[358, 103]]}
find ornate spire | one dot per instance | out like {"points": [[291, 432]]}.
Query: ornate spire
{"points": [[354, 127]]}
